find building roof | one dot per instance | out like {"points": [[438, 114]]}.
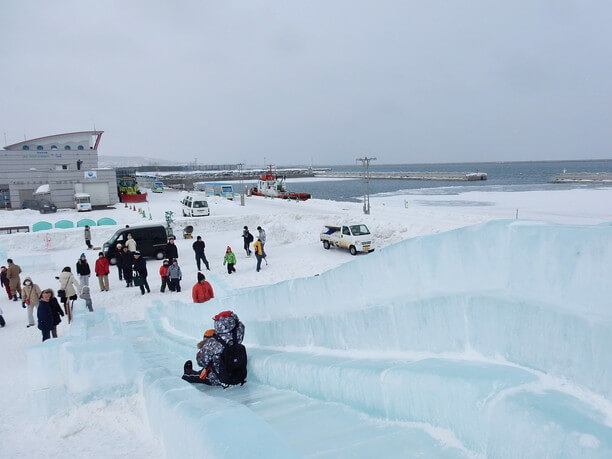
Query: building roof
{"points": [[56, 136]]}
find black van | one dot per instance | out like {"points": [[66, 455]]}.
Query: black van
{"points": [[151, 241]]}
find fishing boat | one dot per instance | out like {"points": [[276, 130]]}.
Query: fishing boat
{"points": [[273, 186]]}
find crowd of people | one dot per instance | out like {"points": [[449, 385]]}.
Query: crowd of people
{"points": [[131, 268]]}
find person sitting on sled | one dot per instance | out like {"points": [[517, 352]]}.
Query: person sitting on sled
{"points": [[221, 355]]}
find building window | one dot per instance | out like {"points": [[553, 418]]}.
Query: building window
{"points": [[67, 147], [25, 147], [80, 147], [39, 147], [53, 147]]}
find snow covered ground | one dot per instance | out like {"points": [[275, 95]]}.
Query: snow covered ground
{"points": [[116, 428]]}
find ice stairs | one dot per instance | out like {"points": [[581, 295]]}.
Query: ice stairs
{"points": [[321, 404], [306, 426]]}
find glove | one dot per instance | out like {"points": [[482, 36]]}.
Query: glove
{"points": [[204, 373], [209, 333]]}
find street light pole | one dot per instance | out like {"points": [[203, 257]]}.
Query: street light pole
{"points": [[365, 161], [240, 165]]}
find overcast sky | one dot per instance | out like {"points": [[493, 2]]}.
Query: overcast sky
{"points": [[323, 82]]}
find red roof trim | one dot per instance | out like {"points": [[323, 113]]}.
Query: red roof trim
{"points": [[98, 133]]}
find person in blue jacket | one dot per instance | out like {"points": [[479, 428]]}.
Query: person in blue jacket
{"points": [[45, 314]]}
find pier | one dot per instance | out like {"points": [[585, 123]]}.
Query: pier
{"points": [[446, 176], [583, 177]]}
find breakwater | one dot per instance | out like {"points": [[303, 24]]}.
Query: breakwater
{"points": [[445, 176], [578, 177]]}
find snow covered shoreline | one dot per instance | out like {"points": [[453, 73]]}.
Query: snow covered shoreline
{"points": [[114, 429]]}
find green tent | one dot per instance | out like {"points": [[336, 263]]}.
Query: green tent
{"points": [[85, 222], [106, 221], [64, 224], [41, 226]]}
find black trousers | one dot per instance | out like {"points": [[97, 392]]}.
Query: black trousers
{"points": [[127, 275], [230, 268], [175, 285], [120, 271], [246, 247], [193, 377], [201, 257], [144, 285], [165, 283]]}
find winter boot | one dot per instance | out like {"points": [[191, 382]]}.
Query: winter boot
{"points": [[15, 297], [23, 304], [188, 367], [2, 322]]}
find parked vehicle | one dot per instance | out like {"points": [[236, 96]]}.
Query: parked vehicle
{"points": [[151, 241], [225, 190], [158, 187], [82, 202], [127, 188], [42, 205], [355, 238], [194, 206]]}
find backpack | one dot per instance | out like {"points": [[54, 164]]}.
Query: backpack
{"points": [[233, 361], [250, 237]]}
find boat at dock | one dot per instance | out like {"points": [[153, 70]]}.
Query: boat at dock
{"points": [[273, 186]]}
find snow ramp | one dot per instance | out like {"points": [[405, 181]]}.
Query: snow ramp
{"points": [[486, 341]]}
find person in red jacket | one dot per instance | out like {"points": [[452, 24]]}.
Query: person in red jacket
{"points": [[163, 273], [202, 291], [102, 269]]}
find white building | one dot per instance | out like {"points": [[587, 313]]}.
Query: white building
{"points": [[68, 163]]}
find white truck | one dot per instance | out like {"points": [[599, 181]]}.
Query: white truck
{"points": [[355, 238], [82, 202]]}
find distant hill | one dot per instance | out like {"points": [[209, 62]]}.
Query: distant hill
{"points": [[133, 161]]}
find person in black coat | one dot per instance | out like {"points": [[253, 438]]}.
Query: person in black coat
{"points": [[119, 261], [171, 249], [140, 268], [83, 270], [198, 248], [57, 314], [45, 314], [127, 259]]}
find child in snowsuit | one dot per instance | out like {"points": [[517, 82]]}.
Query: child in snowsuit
{"points": [[230, 259], [227, 326], [258, 247], [175, 275], [86, 295], [163, 273]]}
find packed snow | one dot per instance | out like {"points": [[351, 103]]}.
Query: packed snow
{"points": [[490, 340]]}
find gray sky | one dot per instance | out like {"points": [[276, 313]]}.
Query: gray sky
{"points": [[321, 81]]}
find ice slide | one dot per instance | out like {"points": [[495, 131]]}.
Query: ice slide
{"points": [[487, 341]]}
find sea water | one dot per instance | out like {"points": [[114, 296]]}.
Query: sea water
{"points": [[519, 176]]}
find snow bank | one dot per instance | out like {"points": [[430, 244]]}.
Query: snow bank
{"points": [[93, 362]]}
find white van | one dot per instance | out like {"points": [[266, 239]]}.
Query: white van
{"points": [[82, 202], [195, 206]]}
